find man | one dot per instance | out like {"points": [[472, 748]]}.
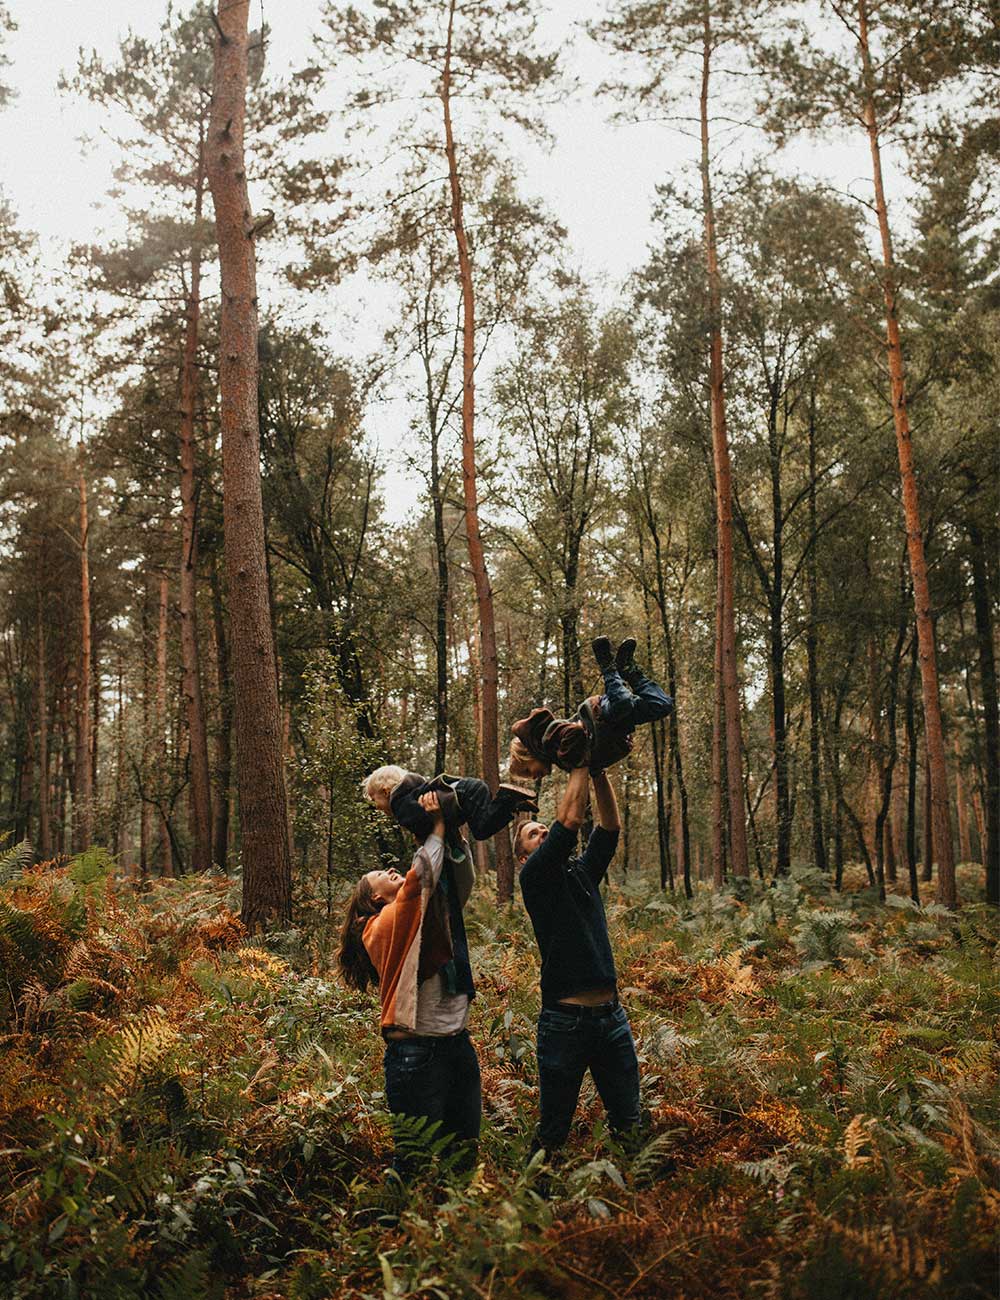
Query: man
{"points": [[582, 1025]]}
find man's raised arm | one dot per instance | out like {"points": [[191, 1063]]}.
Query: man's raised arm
{"points": [[604, 837], [607, 805], [573, 805]]}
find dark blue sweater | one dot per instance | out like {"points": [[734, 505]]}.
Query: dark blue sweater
{"points": [[563, 898]]}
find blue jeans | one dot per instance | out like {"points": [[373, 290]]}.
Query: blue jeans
{"points": [[436, 1079], [628, 709], [572, 1040]]}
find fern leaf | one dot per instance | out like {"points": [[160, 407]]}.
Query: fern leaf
{"points": [[15, 860]]}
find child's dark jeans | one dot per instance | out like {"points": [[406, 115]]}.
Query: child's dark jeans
{"points": [[628, 709], [572, 1040], [434, 1079]]}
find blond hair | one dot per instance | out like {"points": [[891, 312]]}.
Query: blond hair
{"points": [[382, 781], [520, 757]]}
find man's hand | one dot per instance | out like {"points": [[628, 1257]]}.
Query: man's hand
{"points": [[431, 804]]}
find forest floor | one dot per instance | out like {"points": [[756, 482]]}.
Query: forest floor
{"points": [[188, 1114]]}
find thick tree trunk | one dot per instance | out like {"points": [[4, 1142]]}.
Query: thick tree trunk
{"points": [[723, 492], [947, 892], [477, 558], [991, 712], [263, 812], [83, 792], [44, 816], [200, 789]]}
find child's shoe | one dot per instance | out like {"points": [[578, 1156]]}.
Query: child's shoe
{"points": [[605, 656], [625, 656]]}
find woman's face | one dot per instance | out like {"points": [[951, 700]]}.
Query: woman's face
{"points": [[385, 885]]}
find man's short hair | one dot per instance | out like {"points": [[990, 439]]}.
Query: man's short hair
{"points": [[382, 781]]}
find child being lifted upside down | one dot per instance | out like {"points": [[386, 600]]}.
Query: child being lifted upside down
{"points": [[464, 800], [600, 732]]}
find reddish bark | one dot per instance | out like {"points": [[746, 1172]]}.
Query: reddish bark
{"points": [[477, 558], [723, 492], [257, 719], [934, 732]]}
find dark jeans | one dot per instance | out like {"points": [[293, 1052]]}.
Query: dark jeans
{"points": [[485, 813], [434, 1079], [572, 1041], [628, 709]]}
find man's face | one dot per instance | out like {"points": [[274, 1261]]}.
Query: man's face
{"points": [[385, 884], [532, 835]]}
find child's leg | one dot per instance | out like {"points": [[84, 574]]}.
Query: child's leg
{"points": [[486, 813], [649, 701], [617, 700]]}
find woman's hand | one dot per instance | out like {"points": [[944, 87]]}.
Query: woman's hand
{"points": [[431, 804]]}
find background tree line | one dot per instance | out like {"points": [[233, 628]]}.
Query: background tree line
{"points": [[771, 455]]}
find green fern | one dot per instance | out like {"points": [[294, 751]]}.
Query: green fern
{"points": [[189, 1279], [15, 860]]}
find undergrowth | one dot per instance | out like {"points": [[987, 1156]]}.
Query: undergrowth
{"points": [[188, 1113]]}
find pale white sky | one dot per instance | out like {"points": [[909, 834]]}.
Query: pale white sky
{"points": [[598, 179]]}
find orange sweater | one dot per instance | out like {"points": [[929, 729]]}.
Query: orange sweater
{"points": [[409, 940]]}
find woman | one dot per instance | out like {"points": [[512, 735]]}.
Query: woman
{"points": [[405, 934]]}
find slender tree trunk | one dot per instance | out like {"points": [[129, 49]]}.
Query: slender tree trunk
{"points": [[961, 807], [162, 737], [723, 491], [145, 810], [200, 788], [776, 601], [812, 662], [267, 877], [441, 608], [477, 558], [930, 843], [947, 892], [83, 792], [888, 763], [224, 744], [44, 817], [121, 826], [899, 825], [718, 722], [911, 777], [684, 851], [991, 712]]}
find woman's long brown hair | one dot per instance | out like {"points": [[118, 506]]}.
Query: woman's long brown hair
{"points": [[352, 957]]}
